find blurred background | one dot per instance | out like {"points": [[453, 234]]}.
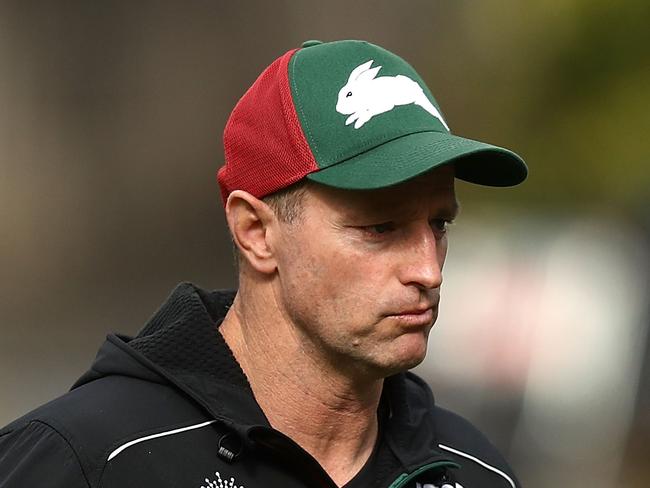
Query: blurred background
{"points": [[111, 116]]}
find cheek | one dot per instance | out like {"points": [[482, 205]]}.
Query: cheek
{"points": [[327, 286], [358, 292], [304, 280], [326, 274]]}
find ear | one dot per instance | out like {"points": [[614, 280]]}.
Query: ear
{"points": [[369, 74], [359, 69], [250, 221]]}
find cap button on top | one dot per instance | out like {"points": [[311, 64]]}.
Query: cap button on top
{"points": [[312, 42]]}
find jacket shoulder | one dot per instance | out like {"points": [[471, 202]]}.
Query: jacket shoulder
{"points": [[460, 438], [34, 454], [92, 419]]}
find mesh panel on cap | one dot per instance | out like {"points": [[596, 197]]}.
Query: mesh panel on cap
{"points": [[264, 144]]}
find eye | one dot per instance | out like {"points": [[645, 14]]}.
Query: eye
{"points": [[349, 94], [379, 229]]}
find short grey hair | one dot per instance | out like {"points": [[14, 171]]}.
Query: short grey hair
{"points": [[287, 203]]}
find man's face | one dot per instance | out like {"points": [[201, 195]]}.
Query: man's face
{"points": [[359, 273]]}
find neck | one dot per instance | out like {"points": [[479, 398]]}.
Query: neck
{"points": [[330, 415]]}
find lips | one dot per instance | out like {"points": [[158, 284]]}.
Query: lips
{"points": [[415, 318], [422, 314]]}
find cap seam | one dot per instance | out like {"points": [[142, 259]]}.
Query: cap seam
{"points": [[288, 105], [303, 119]]}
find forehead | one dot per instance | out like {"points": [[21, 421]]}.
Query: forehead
{"points": [[433, 190]]}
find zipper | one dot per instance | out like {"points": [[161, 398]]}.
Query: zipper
{"points": [[404, 478]]}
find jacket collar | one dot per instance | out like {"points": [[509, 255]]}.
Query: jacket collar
{"points": [[183, 341]]}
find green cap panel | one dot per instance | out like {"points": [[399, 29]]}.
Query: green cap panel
{"points": [[378, 94]]}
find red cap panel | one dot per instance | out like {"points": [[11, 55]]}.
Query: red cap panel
{"points": [[264, 144]]}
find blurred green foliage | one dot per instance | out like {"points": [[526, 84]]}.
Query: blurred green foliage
{"points": [[572, 95]]}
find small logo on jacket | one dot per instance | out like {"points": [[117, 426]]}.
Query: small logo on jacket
{"points": [[444, 485], [218, 482]]}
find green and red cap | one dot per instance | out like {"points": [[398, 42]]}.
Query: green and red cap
{"points": [[351, 115]]}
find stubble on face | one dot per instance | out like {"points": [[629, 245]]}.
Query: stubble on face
{"points": [[359, 276]]}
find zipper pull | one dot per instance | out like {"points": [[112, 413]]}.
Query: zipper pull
{"points": [[226, 453]]}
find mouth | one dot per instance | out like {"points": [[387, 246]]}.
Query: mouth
{"points": [[415, 318]]}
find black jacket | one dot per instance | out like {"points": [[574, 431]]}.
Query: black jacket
{"points": [[172, 408]]}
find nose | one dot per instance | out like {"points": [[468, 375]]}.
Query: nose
{"points": [[423, 259]]}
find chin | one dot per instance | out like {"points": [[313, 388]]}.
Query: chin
{"points": [[386, 370], [412, 362], [410, 352], [399, 363]]}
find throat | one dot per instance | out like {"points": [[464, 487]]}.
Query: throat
{"points": [[342, 443], [338, 428], [331, 416]]}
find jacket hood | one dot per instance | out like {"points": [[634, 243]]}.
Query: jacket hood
{"points": [[181, 345]]}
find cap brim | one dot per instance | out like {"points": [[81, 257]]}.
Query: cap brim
{"points": [[409, 156]]}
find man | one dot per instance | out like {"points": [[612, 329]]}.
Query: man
{"points": [[338, 187]]}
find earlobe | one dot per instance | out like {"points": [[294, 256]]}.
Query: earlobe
{"points": [[249, 220]]}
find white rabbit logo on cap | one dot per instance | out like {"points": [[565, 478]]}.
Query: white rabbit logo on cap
{"points": [[364, 95]]}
